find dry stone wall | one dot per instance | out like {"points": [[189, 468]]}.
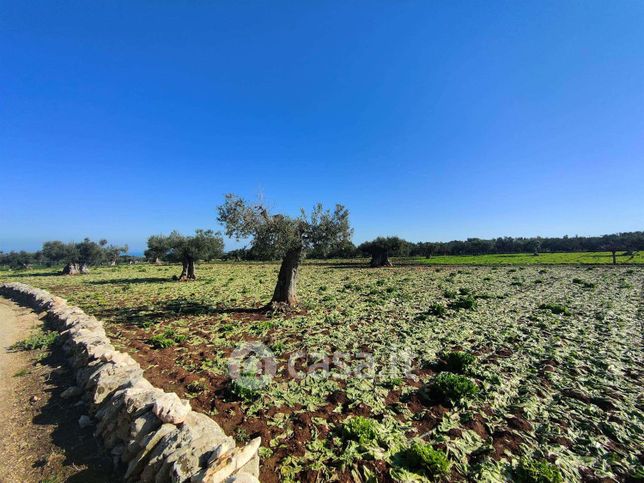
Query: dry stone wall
{"points": [[154, 435]]}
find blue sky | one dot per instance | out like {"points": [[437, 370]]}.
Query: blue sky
{"points": [[432, 120]]}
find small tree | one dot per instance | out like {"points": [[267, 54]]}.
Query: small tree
{"points": [[285, 237], [204, 245], [157, 248], [18, 260], [425, 249], [79, 256], [382, 248]]}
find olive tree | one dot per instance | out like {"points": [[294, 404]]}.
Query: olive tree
{"points": [[285, 237], [175, 247], [79, 256], [382, 248]]}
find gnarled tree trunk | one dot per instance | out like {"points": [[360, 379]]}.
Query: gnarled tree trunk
{"points": [[614, 253], [380, 259], [71, 269], [191, 269], [188, 270], [286, 287]]}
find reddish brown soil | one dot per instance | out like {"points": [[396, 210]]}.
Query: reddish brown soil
{"points": [[165, 369]]}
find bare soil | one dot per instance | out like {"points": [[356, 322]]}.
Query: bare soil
{"points": [[41, 440]]}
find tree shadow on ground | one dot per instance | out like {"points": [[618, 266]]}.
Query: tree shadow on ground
{"points": [[144, 314], [37, 274], [128, 281], [80, 448], [364, 265]]}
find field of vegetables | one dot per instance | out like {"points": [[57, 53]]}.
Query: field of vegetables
{"points": [[410, 373]]}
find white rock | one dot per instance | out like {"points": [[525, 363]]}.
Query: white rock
{"points": [[170, 409]]}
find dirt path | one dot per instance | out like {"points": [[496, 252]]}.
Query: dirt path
{"points": [[40, 440]]}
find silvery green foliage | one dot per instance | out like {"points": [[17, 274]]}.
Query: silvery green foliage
{"points": [[175, 247], [272, 236]]}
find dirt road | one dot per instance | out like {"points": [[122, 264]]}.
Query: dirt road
{"points": [[40, 440]]}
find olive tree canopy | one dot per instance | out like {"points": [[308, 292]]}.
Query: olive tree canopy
{"points": [[285, 237], [175, 247], [79, 256], [382, 248]]}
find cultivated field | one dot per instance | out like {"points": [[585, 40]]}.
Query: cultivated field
{"points": [[498, 367]]}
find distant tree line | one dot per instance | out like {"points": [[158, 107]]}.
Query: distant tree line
{"points": [[76, 257], [381, 248]]}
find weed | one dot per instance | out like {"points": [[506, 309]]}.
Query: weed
{"points": [[437, 309], [196, 387], [556, 309], [249, 387], [450, 387], [278, 347], [537, 471], [466, 303], [40, 340], [166, 339], [583, 283], [21, 373], [360, 429], [423, 458], [450, 294], [458, 361], [241, 435]]}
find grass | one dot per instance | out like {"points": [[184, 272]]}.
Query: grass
{"points": [[565, 387], [603, 258], [39, 340]]}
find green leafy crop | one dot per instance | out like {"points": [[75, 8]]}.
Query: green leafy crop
{"points": [[452, 388], [458, 361], [168, 338], [360, 429], [423, 458]]}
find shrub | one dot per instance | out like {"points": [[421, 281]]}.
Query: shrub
{"points": [[537, 471], [556, 309], [37, 341], [467, 303], [458, 361], [422, 457], [360, 429], [451, 387], [436, 309]]}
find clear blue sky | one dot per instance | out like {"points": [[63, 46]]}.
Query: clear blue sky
{"points": [[432, 120]]}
